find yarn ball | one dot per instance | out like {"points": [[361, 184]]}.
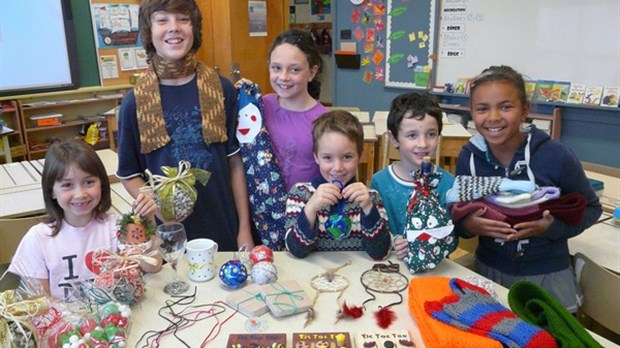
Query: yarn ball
{"points": [[264, 272], [233, 273], [261, 253]]}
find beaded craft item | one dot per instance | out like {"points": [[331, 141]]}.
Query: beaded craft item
{"points": [[327, 281]]}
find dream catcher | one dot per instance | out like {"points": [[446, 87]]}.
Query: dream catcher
{"points": [[328, 281], [385, 279]]}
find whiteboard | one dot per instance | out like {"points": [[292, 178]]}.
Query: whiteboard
{"points": [[561, 40]]}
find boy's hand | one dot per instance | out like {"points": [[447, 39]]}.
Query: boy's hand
{"points": [[532, 228], [357, 193], [400, 246], [145, 205], [474, 223], [325, 195]]}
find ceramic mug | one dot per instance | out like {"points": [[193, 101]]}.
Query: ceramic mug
{"points": [[201, 258]]}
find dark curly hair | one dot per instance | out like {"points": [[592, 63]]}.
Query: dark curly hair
{"points": [[304, 41], [501, 73], [413, 105]]}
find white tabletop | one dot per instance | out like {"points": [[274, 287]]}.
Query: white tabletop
{"points": [[145, 315], [601, 243]]}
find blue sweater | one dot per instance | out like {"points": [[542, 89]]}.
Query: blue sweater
{"points": [[550, 164]]}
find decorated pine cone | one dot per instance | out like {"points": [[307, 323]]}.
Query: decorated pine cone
{"points": [[134, 229], [175, 192]]}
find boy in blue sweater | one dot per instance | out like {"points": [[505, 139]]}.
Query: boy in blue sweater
{"points": [[533, 250], [334, 212]]}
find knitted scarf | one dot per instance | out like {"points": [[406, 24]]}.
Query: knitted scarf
{"points": [[150, 114]]}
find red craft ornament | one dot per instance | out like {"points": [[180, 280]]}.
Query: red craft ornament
{"points": [[385, 317], [261, 253]]}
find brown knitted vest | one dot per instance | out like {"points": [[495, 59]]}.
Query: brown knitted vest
{"points": [[150, 114]]}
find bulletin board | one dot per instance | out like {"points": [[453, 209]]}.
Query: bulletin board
{"points": [[119, 47], [410, 42], [562, 40]]}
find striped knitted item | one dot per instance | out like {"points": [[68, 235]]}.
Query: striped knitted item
{"points": [[474, 310], [468, 188], [435, 333]]}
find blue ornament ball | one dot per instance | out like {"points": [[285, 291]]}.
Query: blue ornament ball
{"points": [[233, 273]]}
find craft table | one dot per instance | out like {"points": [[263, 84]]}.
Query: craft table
{"points": [[145, 313], [20, 187]]}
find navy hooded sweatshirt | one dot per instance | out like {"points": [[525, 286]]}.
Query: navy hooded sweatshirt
{"points": [[547, 163]]}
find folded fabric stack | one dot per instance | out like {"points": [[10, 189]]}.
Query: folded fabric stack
{"points": [[512, 201]]}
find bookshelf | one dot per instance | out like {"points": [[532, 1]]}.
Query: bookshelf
{"points": [[67, 115]]}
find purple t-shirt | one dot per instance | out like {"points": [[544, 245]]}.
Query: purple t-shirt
{"points": [[291, 136]]}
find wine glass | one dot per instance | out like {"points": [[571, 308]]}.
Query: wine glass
{"points": [[172, 239]]}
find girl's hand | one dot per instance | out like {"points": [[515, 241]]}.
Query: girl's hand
{"points": [[241, 81], [532, 228], [357, 193], [400, 246], [145, 205], [325, 195], [474, 223]]}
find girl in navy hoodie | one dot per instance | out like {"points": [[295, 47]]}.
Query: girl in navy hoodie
{"points": [[534, 250]]}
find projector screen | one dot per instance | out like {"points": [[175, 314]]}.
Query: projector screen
{"points": [[37, 47]]}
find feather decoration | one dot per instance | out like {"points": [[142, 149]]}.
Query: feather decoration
{"points": [[353, 312], [385, 317]]}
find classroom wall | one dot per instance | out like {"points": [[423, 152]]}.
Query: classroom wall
{"points": [[593, 133]]}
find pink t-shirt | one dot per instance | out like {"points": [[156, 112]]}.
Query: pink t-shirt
{"points": [[60, 259], [291, 136]]}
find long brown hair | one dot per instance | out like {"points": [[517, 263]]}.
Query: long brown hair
{"points": [[59, 158]]}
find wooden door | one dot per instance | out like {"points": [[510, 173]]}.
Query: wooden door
{"points": [[227, 41]]}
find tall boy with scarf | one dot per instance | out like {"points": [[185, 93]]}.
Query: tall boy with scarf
{"points": [[182, 110]]}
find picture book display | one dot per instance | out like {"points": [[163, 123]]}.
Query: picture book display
{"points": [[322, 339], [610, 96], [543, 90], [386, 338], [576, 93], [593, 95], [530, 87], [256, 340], [559, 91]]}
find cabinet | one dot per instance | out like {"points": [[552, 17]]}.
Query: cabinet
{"points": [[74, 110], [9, 113]]}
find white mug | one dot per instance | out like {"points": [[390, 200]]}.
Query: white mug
{"points": [[201, 258]]}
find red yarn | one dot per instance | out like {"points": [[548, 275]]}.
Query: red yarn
{"points": [[385, 317]]}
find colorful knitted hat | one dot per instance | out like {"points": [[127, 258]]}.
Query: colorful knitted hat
{"points": [[472, 309], [536, 306], [428, 226], [435, 333], [266, 188]]}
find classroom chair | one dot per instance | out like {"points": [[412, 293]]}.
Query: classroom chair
{"points": [[465, 254], [11, 233], [8, 281], [600, 291]]}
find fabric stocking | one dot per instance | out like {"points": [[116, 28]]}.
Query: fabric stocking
{"points": [[473, 309]]}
